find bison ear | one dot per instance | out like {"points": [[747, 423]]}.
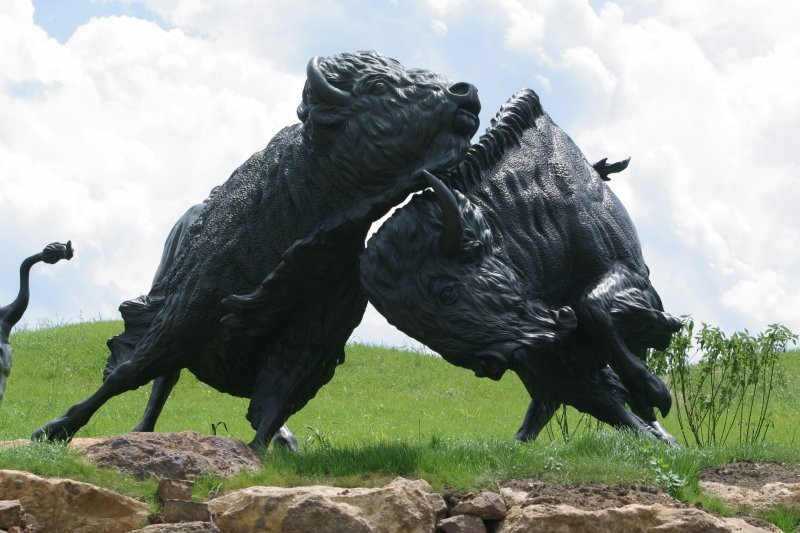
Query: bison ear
{"points": [[322, 88]]}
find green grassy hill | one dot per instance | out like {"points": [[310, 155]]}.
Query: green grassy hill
{"points": [[378, 394], [386, 412]]}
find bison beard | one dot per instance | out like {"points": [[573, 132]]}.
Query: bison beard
{"points": [[263, 291], [535, 268]]}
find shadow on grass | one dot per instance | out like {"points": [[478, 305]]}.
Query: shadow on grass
{"points": [[390, 458]]}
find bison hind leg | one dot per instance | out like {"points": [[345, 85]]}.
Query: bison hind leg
{"points": [[162, 386], [123, 378], [602, 395]]}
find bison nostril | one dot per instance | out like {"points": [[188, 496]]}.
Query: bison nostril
{"points": [[460, 89], [465, 95]]}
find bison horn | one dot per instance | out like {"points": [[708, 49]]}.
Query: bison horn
{"points": [[323, 88], [452, 227]]}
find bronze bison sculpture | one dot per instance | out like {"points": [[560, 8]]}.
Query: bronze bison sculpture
{"points": [[527, 261], [263, 290]]}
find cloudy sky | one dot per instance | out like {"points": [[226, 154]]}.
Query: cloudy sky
{"points": [[116, 115]]}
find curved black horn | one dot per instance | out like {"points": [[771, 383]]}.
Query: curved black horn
{"points": [[323, 88], [450, 241]]}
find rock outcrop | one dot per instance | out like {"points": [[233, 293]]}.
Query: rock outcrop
{"points": [[549, 518], [170, 455], [13, 518], [769, 495], [32, 504], [402, 506], [67, 505]]}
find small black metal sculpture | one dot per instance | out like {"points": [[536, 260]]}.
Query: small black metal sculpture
{"points": [[11, 314], [290, 223], [536, 268]]}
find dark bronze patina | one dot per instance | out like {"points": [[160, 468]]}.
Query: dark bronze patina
{"points": [[527, 261], [263, 290]]}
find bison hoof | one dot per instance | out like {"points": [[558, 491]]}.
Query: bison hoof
{"points": [[143, 427], [658, 395], [55, 431], [289, 444], [660, 433], [285, 439]]}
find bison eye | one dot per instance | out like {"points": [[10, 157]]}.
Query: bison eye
{"points": [[378, 87]]}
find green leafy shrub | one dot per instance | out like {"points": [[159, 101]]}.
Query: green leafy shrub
{"points": [[722, 385]]}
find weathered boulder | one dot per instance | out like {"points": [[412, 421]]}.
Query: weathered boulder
{"points": [[174, 489], [183, 511], [317, 513], [10, 514], [769, 495], [484, 505], [553, 518], [66, 505], [461, 524], [402, 506], [170, 455], [13, 518], [438, 505]]}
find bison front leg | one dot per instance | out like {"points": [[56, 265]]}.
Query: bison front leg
{"points": [[285, 383], [643, 385], [623, 307], [536, 418], [602, 395]]}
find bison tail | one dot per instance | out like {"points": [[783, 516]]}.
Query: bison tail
{"points": [[138, 314]]}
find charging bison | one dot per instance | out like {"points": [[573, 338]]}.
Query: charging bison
{"points": [[536, 268], [264, 290]]}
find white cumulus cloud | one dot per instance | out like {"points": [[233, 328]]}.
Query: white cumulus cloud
{"points": [[108, 138], [705, 100]]}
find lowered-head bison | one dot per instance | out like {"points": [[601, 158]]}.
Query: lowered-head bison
{"points": [[530, 264], [263, 290]]}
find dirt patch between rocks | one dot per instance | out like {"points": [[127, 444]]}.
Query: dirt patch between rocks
{"points": [[751, 475], [592, 496]]}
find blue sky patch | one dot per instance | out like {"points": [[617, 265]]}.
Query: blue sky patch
{"points": [[60, 19]]}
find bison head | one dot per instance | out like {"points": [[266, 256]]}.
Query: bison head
{"points": [[377, 121], [432, 272]]}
